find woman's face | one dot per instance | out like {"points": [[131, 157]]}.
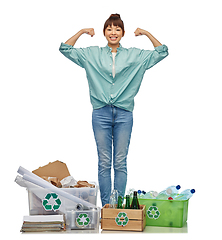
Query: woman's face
{"points": [[113, 35]]}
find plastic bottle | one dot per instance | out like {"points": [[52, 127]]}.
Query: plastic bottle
{"points": [[173, 189], [151, 195], [168, 192], [113, 199], [186, 194]]}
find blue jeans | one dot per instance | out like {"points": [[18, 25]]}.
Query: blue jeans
{"points": [[112, 128]]}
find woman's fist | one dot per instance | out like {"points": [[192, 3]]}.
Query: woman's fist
{"points": [[139, 32], [89, 31]]}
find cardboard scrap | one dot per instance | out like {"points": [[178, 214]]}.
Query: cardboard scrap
{"points": [[53, 169], [81, 184], [53, 180]]}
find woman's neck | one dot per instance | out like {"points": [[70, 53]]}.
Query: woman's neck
{"points": [[114, 47]]}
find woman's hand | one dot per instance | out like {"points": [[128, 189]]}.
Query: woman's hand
{"points": [[74, 38], [140, 32], [154, 41], [89, 31]]}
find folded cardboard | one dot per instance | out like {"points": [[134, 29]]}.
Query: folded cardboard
{"points": [[53, 169]]}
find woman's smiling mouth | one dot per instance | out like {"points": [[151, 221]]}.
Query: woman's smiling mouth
{"points": [[113, 38]]}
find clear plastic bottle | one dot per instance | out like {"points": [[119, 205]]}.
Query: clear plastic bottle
{"points": [[113, 199], [151, 195], [171, 191], [186, 194]]}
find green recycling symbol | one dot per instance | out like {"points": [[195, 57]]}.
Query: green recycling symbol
{"points": [[153, 212], [51, 202], [83, 220], [122, 219]]}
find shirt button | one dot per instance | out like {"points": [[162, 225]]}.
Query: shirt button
{"points": [[113, 84]]}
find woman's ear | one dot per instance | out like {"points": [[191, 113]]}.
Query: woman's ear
{"points": [[123, 33]]}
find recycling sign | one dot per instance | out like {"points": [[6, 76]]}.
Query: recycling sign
{"points": [[153, 212], [122, 219], [51, 202], [83, 220]]}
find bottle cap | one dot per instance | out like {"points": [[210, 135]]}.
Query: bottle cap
{"points": [[155, 194], [79, 206], [192, 191], [170, 198], [178, 187], [169, 191], [139, 191]]}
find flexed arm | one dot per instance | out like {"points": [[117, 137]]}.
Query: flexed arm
{"points": [[154, 41], [73, 39], [77, 55]]}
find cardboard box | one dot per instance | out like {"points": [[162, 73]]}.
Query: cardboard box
{"points": [[123, 219], [53, 169]]}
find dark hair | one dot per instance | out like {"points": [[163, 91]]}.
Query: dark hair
{"points": [[114, 19]]}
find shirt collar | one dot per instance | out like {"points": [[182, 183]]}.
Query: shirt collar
{"points": [[118, 49]]}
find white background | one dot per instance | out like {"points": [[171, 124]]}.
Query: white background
{"points": [[46, 112]]}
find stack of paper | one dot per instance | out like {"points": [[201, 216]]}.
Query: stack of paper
{"points": [[41, 223]]}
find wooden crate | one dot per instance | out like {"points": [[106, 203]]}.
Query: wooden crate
{"points": [[123, 219]]}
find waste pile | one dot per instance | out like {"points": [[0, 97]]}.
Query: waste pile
{"points": [[53, 191]]}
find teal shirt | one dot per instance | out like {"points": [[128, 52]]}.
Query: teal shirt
{"points": [[130, 66]]}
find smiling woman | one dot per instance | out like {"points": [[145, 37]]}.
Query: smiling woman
{"points": [[114, 82]]}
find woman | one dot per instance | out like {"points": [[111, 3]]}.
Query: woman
{"points": [[114, 76]]}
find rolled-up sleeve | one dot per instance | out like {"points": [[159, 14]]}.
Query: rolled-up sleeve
{"points": [[77, 55], [153, 57]]}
